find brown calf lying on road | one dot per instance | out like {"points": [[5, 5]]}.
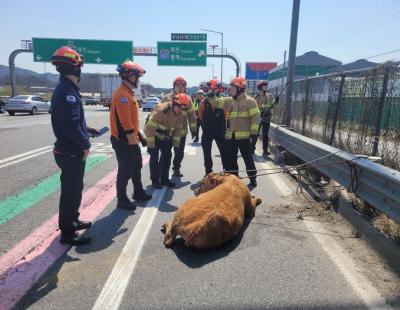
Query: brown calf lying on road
{"points": [[215, 216]]}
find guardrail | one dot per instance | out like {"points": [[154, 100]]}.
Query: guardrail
{"points": [[376, 184]]}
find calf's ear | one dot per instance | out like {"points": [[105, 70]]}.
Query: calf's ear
{"points": [[213, 182]]}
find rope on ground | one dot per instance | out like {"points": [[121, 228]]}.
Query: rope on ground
{"points": [[302, 170]]}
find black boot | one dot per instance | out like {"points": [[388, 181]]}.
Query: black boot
{"points": [[126, 204], [74, 239], [253, 182], [80, 225], [156, 185], [141, 196], [177, 173], [168, 183]]}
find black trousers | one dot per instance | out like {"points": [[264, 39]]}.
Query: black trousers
{"points": [[265, 129], [72, 172], [198, 125], [206, 144], [179, 152], [130, 163], [232, 148], [160, 164]]}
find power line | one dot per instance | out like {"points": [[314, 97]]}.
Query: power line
{"points": [[385, 53], [356, 33], [362, 21]]}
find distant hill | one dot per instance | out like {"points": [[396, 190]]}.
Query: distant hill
{"points": [[90, 82], [4, 71], [26, 77]]}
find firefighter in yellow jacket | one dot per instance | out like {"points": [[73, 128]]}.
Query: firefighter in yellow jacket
{"points": [[242, 126], [163, 130], [265, 102], [187, 115]]}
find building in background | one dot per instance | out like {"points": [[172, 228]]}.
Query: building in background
{"points": [[359, 64], [308, 64]]}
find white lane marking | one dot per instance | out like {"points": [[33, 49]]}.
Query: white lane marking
{"points": [[12, 158], [97, 147], [279, 182], [114, 289], [23, 159], [361, 285], [353, 275]]}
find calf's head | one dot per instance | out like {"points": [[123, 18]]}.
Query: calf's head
{"points": [[209, 182]]}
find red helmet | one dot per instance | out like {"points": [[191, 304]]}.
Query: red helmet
{"points": [[239, 82], [214, 84], [131, 67], [182, 99], [180, 80], [261, 84], [67, 55]]}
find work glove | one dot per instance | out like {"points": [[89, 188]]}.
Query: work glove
{"points": [[253, 138], [277, 99], [142, 139]]}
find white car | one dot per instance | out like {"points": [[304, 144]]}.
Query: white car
{"points": [[27, 104], [149, 103]]}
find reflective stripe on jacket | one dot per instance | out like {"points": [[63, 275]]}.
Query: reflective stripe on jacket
{"points": [[187, 116], [243, 117], [163, 124], [265, 102]]}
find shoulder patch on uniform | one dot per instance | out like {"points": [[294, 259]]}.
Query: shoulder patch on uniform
{"points": [[123, 100], [71, 98]]}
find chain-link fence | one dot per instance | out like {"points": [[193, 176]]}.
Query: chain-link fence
{"points": [[357, 111]]}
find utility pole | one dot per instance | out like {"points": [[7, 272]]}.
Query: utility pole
{"points": [[292, 56], [283, 70]]}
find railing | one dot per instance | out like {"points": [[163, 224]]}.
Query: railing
{"points": [[357, 111], [374, 183]]}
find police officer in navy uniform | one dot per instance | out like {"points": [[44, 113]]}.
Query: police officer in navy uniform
{"points": [[72, 143]]}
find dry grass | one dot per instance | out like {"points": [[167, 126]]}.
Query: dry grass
{"points": [[387, 226], [380, 221]]}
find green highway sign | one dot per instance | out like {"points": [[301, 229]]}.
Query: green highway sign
{"points": [[93, 51], [188, 37], [182, 54]]}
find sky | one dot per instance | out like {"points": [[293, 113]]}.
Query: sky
{"points": [[254, 31]]}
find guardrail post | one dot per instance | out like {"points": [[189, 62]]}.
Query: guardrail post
{"points": [[11, 66], [305, 109], [378, 122], [338, 105]]}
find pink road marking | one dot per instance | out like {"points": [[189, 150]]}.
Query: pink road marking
{"points": [[25, 264]]}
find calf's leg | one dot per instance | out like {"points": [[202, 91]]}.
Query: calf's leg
{"points": [[170, 234]]}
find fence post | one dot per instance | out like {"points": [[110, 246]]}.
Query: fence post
{"points": [[338, 105], [378, 122], [305, 110]]}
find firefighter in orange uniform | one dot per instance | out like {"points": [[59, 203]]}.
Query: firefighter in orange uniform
{"points": [[125, 134]]}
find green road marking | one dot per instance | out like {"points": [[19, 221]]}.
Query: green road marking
{"points": [[14, 205]]}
